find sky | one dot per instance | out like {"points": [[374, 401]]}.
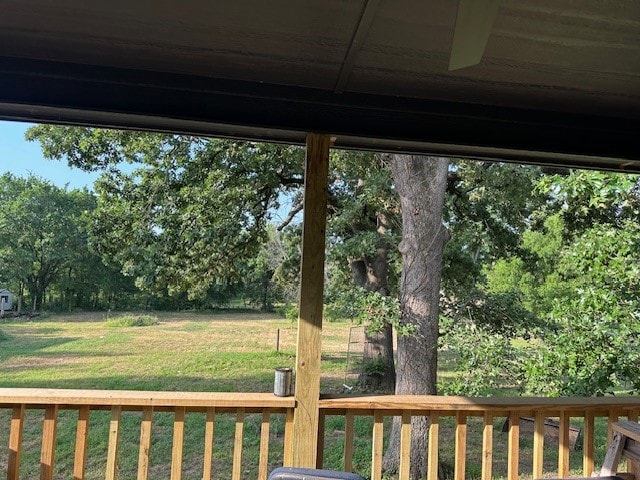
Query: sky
{"points": [[22, 158]]}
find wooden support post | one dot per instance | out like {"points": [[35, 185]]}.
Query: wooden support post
{"points": [[305, 420]]}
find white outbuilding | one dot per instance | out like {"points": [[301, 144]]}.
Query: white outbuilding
{"points": [[6, 300]]}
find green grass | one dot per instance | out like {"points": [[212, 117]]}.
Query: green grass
{"points": [[132, 321], [222, 351]]}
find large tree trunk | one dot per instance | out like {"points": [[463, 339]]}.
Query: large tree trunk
{"points": [[371, 273], [421, 184]]}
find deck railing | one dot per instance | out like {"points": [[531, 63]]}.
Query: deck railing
{"points": [[50, 402], [452, 422], [586, 412]]}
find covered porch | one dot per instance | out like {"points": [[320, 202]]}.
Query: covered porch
{"points": [[552, 84]]}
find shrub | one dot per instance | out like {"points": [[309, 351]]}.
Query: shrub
{"points": [[132, 321]]}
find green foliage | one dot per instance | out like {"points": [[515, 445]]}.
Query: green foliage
{"points": [[191, 211], [3, 336], [132, 321], [289, 311], [371, 309]]}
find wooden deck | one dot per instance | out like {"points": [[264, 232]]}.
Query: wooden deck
{"points": [[47, 403]]}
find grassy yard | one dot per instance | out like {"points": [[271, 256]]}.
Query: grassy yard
{"points": [[191, 352]]}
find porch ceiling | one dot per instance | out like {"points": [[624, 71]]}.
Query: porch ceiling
{"points": [[559, 82]]}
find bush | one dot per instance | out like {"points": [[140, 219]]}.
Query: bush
{"points": [[132, 321]]}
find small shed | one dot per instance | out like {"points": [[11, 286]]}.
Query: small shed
{"points": [[6, 300]]}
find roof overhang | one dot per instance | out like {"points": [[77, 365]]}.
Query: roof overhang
{"points": [[78, 68]]}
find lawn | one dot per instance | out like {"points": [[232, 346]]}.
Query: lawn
{"points": [[233, 352]]}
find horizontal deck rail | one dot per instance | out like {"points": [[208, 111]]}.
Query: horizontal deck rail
{"points": [[178, 404], [34, 418], [487, 411]]}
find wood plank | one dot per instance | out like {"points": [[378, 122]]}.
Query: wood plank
{"points": [[460, 458], [348, 441], [614, 453], [178, 444], [513, 450], [144, 454], [611, 419], [321, 429], [47, 454], [112, 452], [588, 444], [628, 429], [236, 473], [487, 446], [288, 439], [209, 432], [377, 445], [632, 416], [73, 398], [538, 445], [305, 421], [82, 436], [432, 460], [263, 463], [497, 405], [15, 442], [563, 446], [405, 447]]}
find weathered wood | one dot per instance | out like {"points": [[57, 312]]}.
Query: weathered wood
{"points": [[209, 432], [112, 452], [405, 446], [487, 446], [145, 443], [178, 444], [15, 442], [47, 454], [376, 446], [236, 472], [263, 462], [348, 441], [614, 453], [305, 422], [513, 454], [538, 445], [460, 446], [82, 435]]}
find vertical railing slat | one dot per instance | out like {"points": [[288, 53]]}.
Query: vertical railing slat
{"points": [[47, 454], [432, 461], [178, 443], [237, 445], [82, 435], [209, 432], [320, 451], [487, 446], [348, 441], [632, 416], [513, 454], [405, 446], [611, 419], [376, 445], [112, 452], [460, 458], [263, 463], [588, 440], [563, 445], [288, 438], [144, 454], [15, 442], [538, 445]]}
